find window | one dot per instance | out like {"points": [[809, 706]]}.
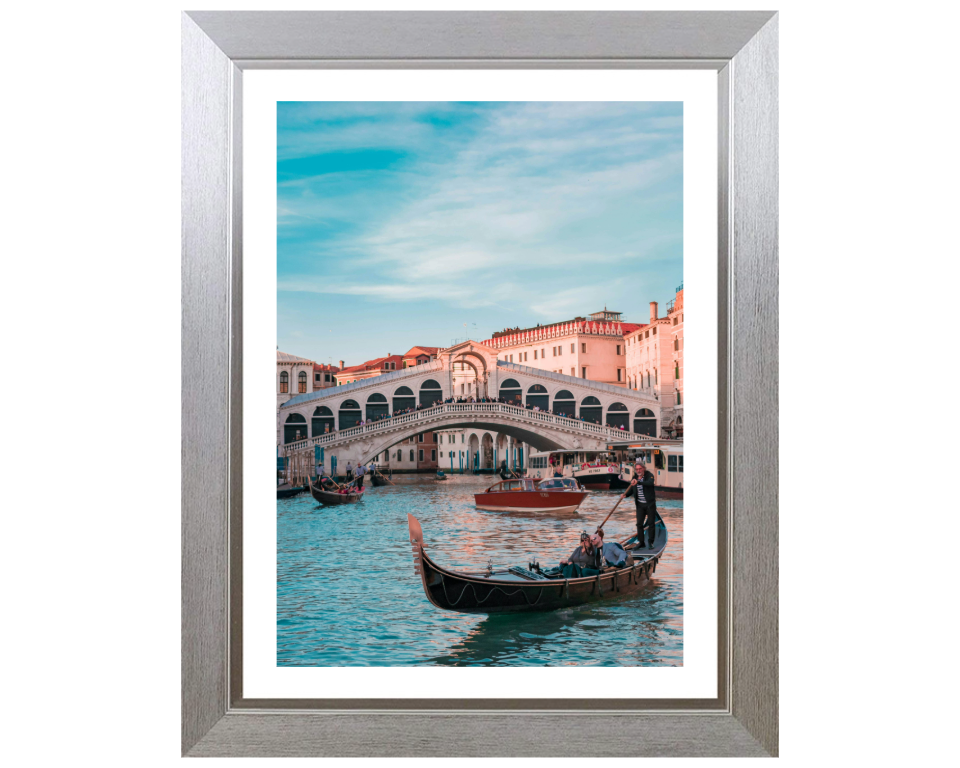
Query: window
{"points": [[543, 353], [674, 320], [680, 458], [463, 438], [676, 371], [654, 331], [316, 378], [302, 382], [572, 349], [584, 372], [420, 438], [648, 378], [433, 436], [411, 454], [678, 397], [441, 454], [671, 463], [573, 372], [326, 377], [647, 335], [534, 354], [421, 454], [618, 374], [284, 382], [676, 345], [583, 347], [618, 349], [433, 455]]}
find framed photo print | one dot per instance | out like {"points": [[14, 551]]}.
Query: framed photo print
{"points": [[461, 477]]}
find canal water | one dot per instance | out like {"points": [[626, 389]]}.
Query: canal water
{"points": [[347, 594]]}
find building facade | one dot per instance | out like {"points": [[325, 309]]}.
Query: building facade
{"points": [[416, 454], [586, 347], [655, 362]]}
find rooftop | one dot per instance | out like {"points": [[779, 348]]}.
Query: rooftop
{"points": [[285, 357]]}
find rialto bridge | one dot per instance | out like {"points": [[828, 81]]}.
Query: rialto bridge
{"points": [[581, 409]]}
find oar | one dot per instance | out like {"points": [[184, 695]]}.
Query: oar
{"points": [[611, 512]]}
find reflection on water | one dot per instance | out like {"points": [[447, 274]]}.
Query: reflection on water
{"points": [[347, 594]]}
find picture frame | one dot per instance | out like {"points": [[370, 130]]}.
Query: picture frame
{"points": [[217, 47]]}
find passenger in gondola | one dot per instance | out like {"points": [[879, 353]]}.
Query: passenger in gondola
{"points": [[587, 555]]}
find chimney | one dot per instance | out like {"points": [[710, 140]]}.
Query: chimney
{"points": [[653, 311], [341, 365]]}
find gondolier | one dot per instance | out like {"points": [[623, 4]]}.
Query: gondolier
{"points": [[645, 497], [360, 472]]}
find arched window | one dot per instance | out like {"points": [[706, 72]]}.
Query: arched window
{"points": [[349, 415], [377, 407], [294, 428], [302, 382], [510, 390], [284, 382], [430, 392], [564, 403], [645, 423], [402, 399], [322, 421], [591, 410], [537, 396], [618, 416]]}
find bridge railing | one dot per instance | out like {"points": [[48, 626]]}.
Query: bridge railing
{"points": [[427, 414]]}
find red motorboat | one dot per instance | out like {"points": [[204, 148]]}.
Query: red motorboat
{"points": [[561, 494]]}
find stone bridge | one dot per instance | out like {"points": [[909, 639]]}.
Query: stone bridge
{"points": [[331, 416], [543, 431]]}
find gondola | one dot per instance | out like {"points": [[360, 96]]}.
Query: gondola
{"points": [[286, 491], [532, 588], [379, 480], [441, 475], [332, 497]]}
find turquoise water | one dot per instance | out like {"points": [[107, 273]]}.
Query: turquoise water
{"points": [[347, 594]]}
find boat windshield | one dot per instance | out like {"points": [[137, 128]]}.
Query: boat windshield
{"points": [[559, 484]]}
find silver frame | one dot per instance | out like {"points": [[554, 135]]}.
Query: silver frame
{"points": [[742, 47]]}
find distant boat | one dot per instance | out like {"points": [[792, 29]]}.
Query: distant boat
{"points": [[524, 495], [379, 479], [532, 588], [441, 475], [334, 497], [286, 491]]}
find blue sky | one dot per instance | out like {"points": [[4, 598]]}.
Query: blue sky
{"points": [[398, 222]]}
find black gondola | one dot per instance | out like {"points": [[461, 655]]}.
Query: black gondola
{"points": [[531, 589], [286, 491], [379, 480]]}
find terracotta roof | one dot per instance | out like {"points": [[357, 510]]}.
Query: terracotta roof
{"points": [[325, 367], [373, 365], [415, 351]]}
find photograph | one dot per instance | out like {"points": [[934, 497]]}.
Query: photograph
{"points": [[480, 384]]}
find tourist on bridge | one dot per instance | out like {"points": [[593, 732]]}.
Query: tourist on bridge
{"points": [[645, 497]]}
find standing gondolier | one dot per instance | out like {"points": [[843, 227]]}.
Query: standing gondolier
{"points": [[360, 472], [645, 497]]}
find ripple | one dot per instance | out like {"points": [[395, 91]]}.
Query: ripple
{"points": [[347, 594]]}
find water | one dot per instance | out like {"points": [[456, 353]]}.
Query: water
{"points": [[347, 594]]}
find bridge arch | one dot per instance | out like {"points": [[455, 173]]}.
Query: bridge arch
{"points": [[294, 428], [618, 415], [591, 410], [377, 407], [322, 421], [537, 396], [510, 390], [486, 451], [645, 422], [430, 392], [564, 402], [349, 414], [403, 398]]}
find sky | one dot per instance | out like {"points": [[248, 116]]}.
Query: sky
{"points": [[403, 224]]}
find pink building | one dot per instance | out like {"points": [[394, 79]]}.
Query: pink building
{"points": [[655, 361], [587, 348]]}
